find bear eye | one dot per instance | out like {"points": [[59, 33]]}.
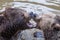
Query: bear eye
{"points": [[53, 24]]}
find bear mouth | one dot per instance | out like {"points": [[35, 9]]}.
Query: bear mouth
{"points": [[31, 24]]}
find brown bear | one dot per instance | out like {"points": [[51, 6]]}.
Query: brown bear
{"points": [[29, 34], [49, 23], [12, 20]]}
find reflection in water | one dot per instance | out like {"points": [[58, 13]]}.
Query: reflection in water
{"points": [[39, 6], [54, 1], [46, 2]]}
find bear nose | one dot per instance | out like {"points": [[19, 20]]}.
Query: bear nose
{"points": [[57, 27], [32, 15], [32, 24]]}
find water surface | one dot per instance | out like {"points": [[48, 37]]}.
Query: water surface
{"points": [[36, 6]]}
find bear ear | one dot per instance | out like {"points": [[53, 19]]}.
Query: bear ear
{"points": [[7, 8], [2, 14]]}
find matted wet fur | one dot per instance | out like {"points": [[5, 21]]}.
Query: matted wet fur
{"points": [[50, 24], [13, 19]]}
